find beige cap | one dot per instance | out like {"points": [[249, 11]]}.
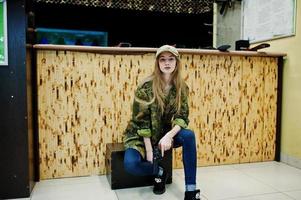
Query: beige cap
{"points": [[167, 48]]}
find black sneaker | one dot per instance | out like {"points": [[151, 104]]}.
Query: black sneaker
{"points": [[159, 183], [192, 195]]}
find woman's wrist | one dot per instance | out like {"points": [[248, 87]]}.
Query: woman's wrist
{"points": [[169, 135], [173, 131], [148, 144]]}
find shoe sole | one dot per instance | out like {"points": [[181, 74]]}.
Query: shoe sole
{"points": [[159, 192]]}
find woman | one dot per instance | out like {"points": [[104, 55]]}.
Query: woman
{"points": [[160, 119]]}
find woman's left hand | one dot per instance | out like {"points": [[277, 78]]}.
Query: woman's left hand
{"points": [[149, 156], [165, 143]]}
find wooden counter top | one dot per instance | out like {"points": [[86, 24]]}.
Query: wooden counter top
{"points": [[143, 50]]}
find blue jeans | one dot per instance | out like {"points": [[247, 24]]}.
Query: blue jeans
{"points": [[136, 165]]}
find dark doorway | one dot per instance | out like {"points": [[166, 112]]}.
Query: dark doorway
{"points": [[139, 28]]}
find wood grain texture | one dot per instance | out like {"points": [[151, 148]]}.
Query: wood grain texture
{"points": [[269, 108], [85, 102], [252, 109], [30, 119]]}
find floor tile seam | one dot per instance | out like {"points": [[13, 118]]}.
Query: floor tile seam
{"points": [[224, 169], [289, 195], [71, 189], [61, 184], [260, 181], [294, 190], [269, 184], [254, 195], [75, 180], [238, 172], [55, 192], [217, 171], [277, 164], [115, 192], [289, 165], [249, 167]]}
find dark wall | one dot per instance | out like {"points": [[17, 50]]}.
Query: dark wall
{"points": [[140, 28], [14, 159]]}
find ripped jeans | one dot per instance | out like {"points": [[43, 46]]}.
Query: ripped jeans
{"points": [[136, 165]]}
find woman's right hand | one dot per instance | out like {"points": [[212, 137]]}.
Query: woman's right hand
{"points": [[149, 156], [165, 143]]}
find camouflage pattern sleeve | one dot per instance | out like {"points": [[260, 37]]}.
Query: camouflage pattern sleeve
{"points": [[181, 118], [141, 113], [140, 124]]}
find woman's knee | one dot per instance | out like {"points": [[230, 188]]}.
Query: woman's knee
{"points": [[131, 160], [188, 135], [130, 167]]}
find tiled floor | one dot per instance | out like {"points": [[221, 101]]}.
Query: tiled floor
{"points": [[254, 181]]}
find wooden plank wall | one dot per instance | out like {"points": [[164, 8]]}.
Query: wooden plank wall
{"points": [[84, 102]]}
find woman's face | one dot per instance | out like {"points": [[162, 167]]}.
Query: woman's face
{"points": [[167, 63]]}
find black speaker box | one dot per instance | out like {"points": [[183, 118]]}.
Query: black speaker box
{"points": [[118, 178]]}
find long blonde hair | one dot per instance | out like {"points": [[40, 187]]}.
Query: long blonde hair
{"points": [[158, 86]]}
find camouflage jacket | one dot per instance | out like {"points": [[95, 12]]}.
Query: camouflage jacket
{"points": [[147, 120]]}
